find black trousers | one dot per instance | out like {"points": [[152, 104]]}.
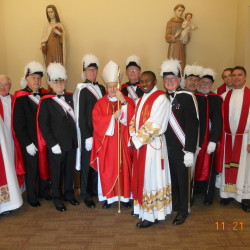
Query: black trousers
{"points": [[179, 182], [34, 184], [62, 175], [89, 177]]}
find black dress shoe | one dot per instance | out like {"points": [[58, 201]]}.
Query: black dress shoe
{"points": [[5, 213], [106, 205], [127, 204], [245, 207], [35, 204], [179, 219], [145, 223], [225, 201], [61, 208], [135, 215], [208, 202], [73, 202], [89, 203]]}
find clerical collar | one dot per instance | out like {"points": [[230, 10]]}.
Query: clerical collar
{"points": [[112, 98]]}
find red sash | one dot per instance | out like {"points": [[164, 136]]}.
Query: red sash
{"points": [[139, 155], [232, 152], [222, 89]]}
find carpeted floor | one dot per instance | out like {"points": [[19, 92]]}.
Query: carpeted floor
{"points": [[83, 228]]}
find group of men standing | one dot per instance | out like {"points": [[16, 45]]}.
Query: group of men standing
{"points": [[134, 142]]}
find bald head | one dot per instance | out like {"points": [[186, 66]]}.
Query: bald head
{"points": [[5, 85]]}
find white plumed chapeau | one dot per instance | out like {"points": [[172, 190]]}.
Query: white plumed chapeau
{"points": [[110, 72], [208, 72], [133, 58], [89, 59], [194, 69], [31, 68], [56, 71], [171, 65]]}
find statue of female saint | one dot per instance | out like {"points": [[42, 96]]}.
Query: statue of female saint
{"points": [[176, 49], [53, 39]]}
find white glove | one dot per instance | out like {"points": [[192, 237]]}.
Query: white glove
{"points": [[211, 147], [88, 143], [56, 149], [188, 159], [31, 149]]}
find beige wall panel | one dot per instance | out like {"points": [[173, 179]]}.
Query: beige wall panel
{"points": [[115, 29]]}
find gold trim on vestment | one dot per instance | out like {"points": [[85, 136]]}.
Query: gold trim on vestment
{"points": [[4, 194], [230, 188], [159, 200]]}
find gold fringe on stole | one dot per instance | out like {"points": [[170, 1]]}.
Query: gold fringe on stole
{"points": [[230, 188]]}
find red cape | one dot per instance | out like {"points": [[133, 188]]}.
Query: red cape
{"points": [[105, 148]]}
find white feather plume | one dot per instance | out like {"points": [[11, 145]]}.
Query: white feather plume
{"points": [[133, 58], [89, 59], [208, 71], [193, 70], [171, 65], [32, 67], [56, 71]]}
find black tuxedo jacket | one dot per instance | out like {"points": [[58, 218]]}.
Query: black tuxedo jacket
{"points": [[215, 116], [138, 91], [183, 107], [87, 102], [24, 120], [57, 126], [203, 116]]}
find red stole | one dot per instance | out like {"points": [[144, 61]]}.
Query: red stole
{"points": [[3, 179], [222, 89], [139, 155], [232, 152]]}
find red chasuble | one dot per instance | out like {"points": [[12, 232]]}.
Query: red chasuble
{"points": [[222, 89], [105, 149], [232, 152], [139, 155], [203, 162], [19, 162]]}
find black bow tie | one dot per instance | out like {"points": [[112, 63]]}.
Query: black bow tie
{"points": [[94, 83], [35, 94], [59, 96], [172, 94], [132, 84]]}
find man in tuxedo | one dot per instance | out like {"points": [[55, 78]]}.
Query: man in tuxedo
{"points": [[85, 97], [181, 136], [214, 151], [132, 88], [25, 133], [57, 128]]}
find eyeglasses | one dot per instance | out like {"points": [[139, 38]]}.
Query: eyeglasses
{"points": [[170, 79], [132, 70], [112, 87], [3, 85], [91, 70]]}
